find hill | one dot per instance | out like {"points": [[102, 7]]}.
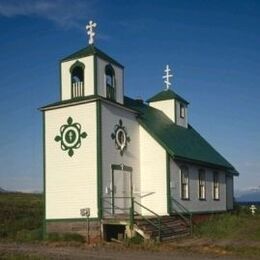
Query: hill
{"points": [[249, 195], [2, 190]]}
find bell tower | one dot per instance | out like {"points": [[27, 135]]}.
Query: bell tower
{"points": [[90, 72]]}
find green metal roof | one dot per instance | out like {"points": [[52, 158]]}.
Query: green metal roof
{"points": [[165, 95], [88, 51], [181, 143]]}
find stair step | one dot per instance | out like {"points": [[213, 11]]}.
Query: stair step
{"points": [[172, 227]]}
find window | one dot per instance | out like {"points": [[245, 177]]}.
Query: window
{"points": [[202, 185], [110, 82], [77, 80], [182, 111], [184, 183], [216, 186]]}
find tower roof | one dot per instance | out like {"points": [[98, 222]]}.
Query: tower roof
{"points": [[165, 95], [88, 51]]}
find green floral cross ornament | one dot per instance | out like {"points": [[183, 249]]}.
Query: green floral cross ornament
{"points": [[70, 136]]}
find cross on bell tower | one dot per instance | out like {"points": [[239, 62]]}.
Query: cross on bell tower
{"points": [[167, 77], [90, 26]]}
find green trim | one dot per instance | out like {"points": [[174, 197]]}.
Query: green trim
{"points": [[168, 185], [91, 50], [44, 174], [99, 159], [166, 95], [201, 163], [95, 75], [70, 220], [175, 112], [60, 81], [77, 63], [124, 168], [121, 167]]}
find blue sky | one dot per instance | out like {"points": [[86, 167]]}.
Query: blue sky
{"points": [[212, 46]]}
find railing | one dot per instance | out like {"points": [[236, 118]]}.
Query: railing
{"points": [[110, 209], [181, 211], [110, 92], [77, 89], [146, 219]]}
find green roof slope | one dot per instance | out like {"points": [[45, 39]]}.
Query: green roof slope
{"points": [[165, 95], [181, 143], [88, 51]]}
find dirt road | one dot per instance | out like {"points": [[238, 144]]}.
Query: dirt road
{"points": [[45, 251]]}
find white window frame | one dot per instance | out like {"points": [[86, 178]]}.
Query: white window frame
{"points": [[182, 111], [185, 189], [202, 184], [216, 190]]}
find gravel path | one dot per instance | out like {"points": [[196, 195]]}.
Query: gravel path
{"points": [[65, 252]]}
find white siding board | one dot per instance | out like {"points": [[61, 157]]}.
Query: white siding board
{"points": [[71, 182], [166, 106], [153, 174]]}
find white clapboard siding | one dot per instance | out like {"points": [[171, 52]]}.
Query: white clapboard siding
{"points": [[71, 182], [166, 106], [153, 174]]}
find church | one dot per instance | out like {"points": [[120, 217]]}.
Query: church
{"points": [[115, 166]]}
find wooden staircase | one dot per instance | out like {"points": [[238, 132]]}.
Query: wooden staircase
{"points": [[167, 228]]}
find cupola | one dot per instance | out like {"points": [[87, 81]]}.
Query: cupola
{"points": [[170, 103], [90, 71]]}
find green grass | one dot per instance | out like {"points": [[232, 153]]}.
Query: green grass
{"points": [[21, 219], [21, 216], [238, 226]]}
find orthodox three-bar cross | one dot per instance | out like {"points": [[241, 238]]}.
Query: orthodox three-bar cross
{"points": [[167, 77], [90, 26]]}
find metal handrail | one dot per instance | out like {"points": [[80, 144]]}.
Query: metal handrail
{"points": [[148, 220], [113, 206], [187, 220]]}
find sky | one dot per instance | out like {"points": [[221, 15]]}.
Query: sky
{"points": [[213, 48]]}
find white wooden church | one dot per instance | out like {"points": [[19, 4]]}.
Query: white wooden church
{"points": [[135, 167]]}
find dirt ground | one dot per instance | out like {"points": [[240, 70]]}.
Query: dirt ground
{"points": [[177, 250]]}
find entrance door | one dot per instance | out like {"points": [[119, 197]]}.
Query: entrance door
{"points": [[122, 189]]}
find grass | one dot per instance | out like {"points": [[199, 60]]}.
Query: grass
{"points": [[21, 219], [236, 226], [21, 216]]}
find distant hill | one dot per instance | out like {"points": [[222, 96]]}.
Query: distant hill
{"points": [[2, 190], [252, 194]]}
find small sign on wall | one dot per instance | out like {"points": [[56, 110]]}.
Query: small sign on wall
{"points": [[85, 212]]}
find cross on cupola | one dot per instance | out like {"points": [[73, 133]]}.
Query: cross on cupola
{"points": [[90, 26], [167, 77]]}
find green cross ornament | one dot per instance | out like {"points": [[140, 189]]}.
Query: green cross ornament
{"points": [[70, 136]]}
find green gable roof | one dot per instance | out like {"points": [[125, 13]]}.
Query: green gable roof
{"points": [[165, 95], [88, 51], [181, 143]]}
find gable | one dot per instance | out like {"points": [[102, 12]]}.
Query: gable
{"points": [[181, 143]]}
